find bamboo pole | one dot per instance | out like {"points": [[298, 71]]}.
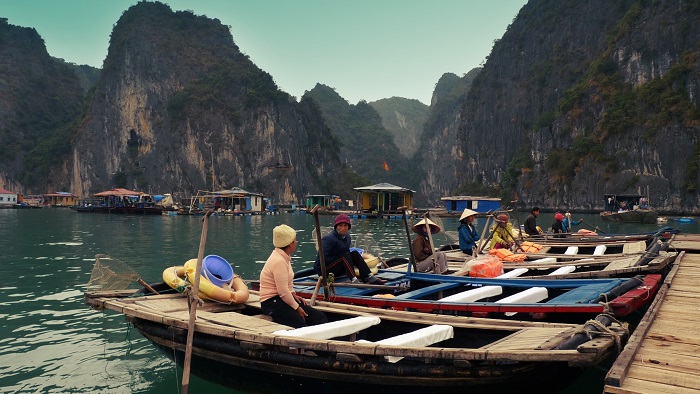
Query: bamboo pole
{"points": [[411, 257], [322, 280], [194, 301]]}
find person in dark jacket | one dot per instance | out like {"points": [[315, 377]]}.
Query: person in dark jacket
{"points": [[467, 232], [557, 226], [530, 226], [339, 259]]}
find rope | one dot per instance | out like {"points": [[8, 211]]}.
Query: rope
{"points": [[598, 329]]}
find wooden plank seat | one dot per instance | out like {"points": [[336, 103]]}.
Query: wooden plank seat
{"points": [[474, 294], [479, 293], [571, 250], [567, 269], [425, 336], [333, 329], [529, 296], [599, 250], [583, 294]]}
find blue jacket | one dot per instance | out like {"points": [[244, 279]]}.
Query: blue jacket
{"points": [[467, 237], [567, 226], [334, 247]]}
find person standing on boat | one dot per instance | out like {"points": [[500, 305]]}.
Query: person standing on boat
{"points": [[568, 223], [502, 233], [467, 232], [339, 259], [423, 251], [277, 297], [557, 226], [530, 226]]}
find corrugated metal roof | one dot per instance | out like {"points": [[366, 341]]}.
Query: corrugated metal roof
{"points": [[383, 187]]}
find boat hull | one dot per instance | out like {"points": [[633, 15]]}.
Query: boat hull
{"points": [[214, 359], [121, 210]]}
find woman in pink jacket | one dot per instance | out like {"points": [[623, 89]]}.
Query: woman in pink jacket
{"points": [[277, 296]]}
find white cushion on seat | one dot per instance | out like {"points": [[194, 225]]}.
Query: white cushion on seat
{"points": [[331, 329]]}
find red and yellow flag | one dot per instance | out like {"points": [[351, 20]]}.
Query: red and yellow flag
{"points": [[386, 166]]}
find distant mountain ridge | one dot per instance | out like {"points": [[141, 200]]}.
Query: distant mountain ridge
{"points": [[604, 100], [404, 119]]}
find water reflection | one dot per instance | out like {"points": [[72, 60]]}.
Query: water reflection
{"points": [[51, 342]]}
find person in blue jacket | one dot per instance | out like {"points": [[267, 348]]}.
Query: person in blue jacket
{"points": [[568, 223], [467, 232], [338, 257]]}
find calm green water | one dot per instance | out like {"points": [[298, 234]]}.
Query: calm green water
{"points": [[51, 342]]}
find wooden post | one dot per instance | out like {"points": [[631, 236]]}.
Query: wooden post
{"points": [[430, 241], [323, 279], [411, 257], [194, 300]]}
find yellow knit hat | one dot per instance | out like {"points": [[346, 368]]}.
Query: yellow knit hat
{"points": [[283, 235]]}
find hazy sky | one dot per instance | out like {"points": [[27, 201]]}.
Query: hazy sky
{"points": [[365, 49]]}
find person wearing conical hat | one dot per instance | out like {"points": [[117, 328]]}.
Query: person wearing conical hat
{"points": [[467, 232], [502, 232], [423, 251]]}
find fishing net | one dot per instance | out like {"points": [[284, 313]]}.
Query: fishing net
{"points": [[324, 230], [109, 273], [368, 245], [443, 237]]}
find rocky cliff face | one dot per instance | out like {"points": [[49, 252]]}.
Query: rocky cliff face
{"points": [[579, 99], [40, 98], [180, 108], [404, 119]]}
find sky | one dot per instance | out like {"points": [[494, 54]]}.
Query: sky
{"points": [[364, 49]]}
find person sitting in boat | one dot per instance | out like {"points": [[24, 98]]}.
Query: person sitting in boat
{"points": [[568, 223], [338, 258], [467, 232], [277, 297], [530, 226], [502, 233], [427, 260], [557, 226]]}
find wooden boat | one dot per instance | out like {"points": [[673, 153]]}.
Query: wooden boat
{"points": [[583, 260], [553, 299], [628, 208], [120, 201], [365, 349]]}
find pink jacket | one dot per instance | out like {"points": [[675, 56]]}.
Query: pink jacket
{"points": [[276, 278]]}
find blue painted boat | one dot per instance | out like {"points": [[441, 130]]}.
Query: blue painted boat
{"points": [[561, 300]]}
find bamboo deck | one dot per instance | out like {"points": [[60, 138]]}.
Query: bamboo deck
{"points": [[663, 353]]}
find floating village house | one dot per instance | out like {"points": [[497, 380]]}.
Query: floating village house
{"points": [[234, 200], [59, 199], [322, 200], [8, 199], [383, 198], [457, 204]]}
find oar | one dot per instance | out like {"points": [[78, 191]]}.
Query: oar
{"points": [[322, 279], [430, 241], [517, 219], [411, 257], [596, 229], [354, 285], [485, 242], [194, 301]]}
